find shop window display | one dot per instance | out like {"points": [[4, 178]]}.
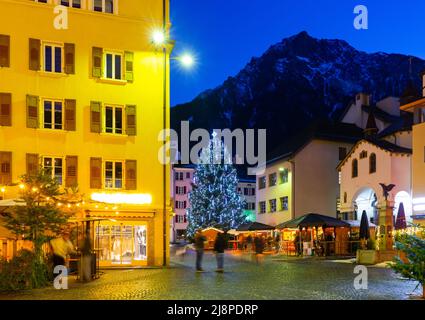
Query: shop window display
{"points": [[121, 245]]}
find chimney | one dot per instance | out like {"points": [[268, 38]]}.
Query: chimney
{"points": [[363, 99]]}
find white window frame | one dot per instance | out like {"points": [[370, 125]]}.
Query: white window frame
{"points": [[53, 45], [114, 129], [53, 158], [53, 101], [113, 174], [105, 66], [114, 9], [71, 4]]}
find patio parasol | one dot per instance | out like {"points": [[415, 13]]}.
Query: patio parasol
{"points": [[364, 226], [400, 223]]}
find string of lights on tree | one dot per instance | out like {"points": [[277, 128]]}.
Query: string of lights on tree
{"points": [[214, 200]]}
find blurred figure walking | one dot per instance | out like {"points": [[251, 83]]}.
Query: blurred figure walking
{"points": [[219, 247], [199, 246]]}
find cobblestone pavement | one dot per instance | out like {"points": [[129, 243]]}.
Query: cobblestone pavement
{"points": [[275, 278]]}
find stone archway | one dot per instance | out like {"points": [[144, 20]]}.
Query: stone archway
{"points": [[366, 199], [405, 198]]}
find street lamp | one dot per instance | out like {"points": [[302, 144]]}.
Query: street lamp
{"points": [[160, 40]]}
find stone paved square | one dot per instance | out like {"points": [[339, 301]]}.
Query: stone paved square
{"points": [[277, 278]]}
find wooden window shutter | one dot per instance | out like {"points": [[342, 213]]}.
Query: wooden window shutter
{"points": [[131, 174], [69, 49], [5, 109], [32, 164], [4, 51], [5, 168], [32, 111], [96, 173], [34, 54], [131, 128], [70, 114], [129, 66], [97, 62], [96, 116], [71, 179]]}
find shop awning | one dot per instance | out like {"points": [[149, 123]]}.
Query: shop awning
{"points": [[254, 226], [313, 220]]}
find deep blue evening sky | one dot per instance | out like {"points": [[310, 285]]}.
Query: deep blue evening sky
{"points": [[225, 34]]}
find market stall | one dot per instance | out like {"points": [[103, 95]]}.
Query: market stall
{"points": [[311, 234]]}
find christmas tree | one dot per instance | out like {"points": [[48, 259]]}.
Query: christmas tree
{"points": [[214, 200]]}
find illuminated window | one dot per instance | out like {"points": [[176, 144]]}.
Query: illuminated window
{"points": [[272, 179], [53, 56], [272, 205], [114, 119], [262, 206], [114, 174], [55, 167], [284, 203], [283, 175], [113, 65], [52, 114]]}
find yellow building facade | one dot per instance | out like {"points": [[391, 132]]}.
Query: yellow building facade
{"points": [[417, 107], [81, 92]]}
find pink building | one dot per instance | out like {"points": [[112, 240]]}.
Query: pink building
{"points": [[181, 185]]}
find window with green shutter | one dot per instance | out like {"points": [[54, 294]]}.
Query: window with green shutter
{"points": [[129, 66], [69, 49], [97, 62], [34, 54], [32, 111], [96, 117], [131, 128]]}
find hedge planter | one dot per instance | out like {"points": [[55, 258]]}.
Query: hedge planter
{"points": [[366, 256]]}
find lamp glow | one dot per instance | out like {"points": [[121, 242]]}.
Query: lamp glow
{"points": [[187, 60], [158, 38], [117, 198], [418, 201], [419, 207]]}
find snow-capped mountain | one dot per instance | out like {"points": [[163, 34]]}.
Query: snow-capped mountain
{"points": [[296, 81]]}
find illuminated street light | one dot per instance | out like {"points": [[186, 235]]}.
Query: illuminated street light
{"points": [[158, 38], [187, 60]]}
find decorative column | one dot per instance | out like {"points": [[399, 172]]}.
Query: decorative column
{"points": [[386, 226]]}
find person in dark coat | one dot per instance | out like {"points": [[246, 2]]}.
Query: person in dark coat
{"points": [[259, 248], [219, 247], [199, 246]]}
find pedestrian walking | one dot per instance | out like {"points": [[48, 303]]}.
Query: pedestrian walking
{"points": [[259, 249], [199, 246], [86, 258], [61, 248], [219, 247]]}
